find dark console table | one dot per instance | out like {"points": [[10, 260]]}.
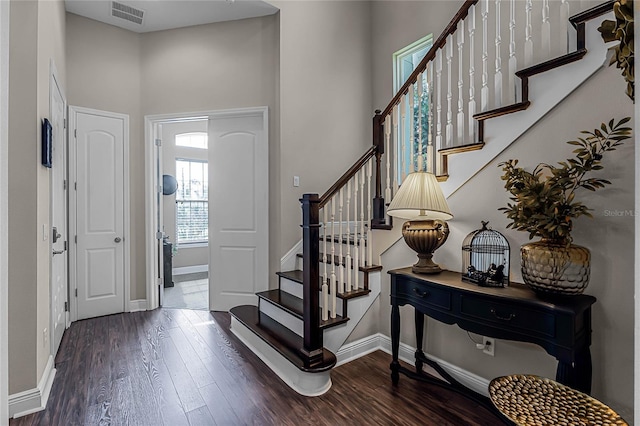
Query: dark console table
{"points": [[561, 325]]}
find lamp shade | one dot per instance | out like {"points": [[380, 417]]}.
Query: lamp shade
{"points": [[420, 197]]}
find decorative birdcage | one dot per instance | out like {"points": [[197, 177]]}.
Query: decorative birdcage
{"points": [[485, 258]]}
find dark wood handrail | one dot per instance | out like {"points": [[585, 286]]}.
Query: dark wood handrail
{"points": [[348, 175], [440, 42], [592, 13]]}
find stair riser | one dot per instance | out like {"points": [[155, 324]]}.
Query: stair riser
{"points": [[295, 288], [291, 321], [300, 262], [283, 317]]}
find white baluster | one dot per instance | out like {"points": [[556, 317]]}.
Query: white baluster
{"points": [[362, 247], [420, 94], [340, 254], [332, 285], [460, 83], [356, 251], [403, 142], [324, 242], [498, 75], [369, 210], [484, 92], [430, 150], [513, 93], [439, 143], [449, 128], [411, 97], [348, 258], [387, 146], [472, 74], [396, 152], [564, 25], [528, 35], [545, 41]]}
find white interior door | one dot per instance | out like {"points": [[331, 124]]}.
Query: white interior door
{"points": [[100, 213], [59, 236], [238, 207]]}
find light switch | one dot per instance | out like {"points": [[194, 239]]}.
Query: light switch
{"points": [[296, 181]]}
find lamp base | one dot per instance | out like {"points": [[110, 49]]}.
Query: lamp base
{"points": [[424, 237], [426, 265]]}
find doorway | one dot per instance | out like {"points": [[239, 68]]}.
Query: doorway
{"points": [[237, 188], [184, 205]]}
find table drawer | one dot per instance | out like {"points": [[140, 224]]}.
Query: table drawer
{"points": [[420, 294], [514, 316]]}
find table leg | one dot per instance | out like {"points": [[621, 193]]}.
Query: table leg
{"points": [[395, 343], [578, 375], [419, 334]]}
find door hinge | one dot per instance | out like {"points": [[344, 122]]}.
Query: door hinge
{"points": [[65, 184], [66, 246], [65, 123], [158, 142], [158, 235], [66, 306], [75, 186], [75, 239], [76, 292], [75, 133]]}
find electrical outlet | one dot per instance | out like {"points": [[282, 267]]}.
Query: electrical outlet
{"points": [[489, 346]]}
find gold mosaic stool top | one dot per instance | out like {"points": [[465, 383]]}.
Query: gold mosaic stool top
{"points": [[531, 400]]}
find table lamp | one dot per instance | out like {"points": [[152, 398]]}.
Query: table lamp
{"points": [[420, 199]]}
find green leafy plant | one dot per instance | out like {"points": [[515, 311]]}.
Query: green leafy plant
{"points": [[544, 200], [622, 29]]}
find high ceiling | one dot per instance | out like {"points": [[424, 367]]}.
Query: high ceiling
{"points": [[156, 15]]}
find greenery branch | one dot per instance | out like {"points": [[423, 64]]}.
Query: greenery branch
{"points": [[544, 201]]}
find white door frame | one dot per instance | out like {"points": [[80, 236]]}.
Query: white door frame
{"points": [[54, 81], [151, 183], [4, 195], [73, 217]]}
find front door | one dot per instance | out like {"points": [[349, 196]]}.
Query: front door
{"points": [[100, 212], [238, 208], [59, 236]]}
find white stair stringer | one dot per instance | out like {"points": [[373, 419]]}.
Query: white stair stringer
{"points": [[335, 337], [546, 90], [307, 384]]}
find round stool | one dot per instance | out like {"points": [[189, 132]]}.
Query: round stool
{"points": [[530, 400]]}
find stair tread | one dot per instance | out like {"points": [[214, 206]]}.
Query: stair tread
{"points": [[296, 276], [280, 338], [337, 261]]}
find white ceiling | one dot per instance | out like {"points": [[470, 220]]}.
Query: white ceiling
{"points": [[167, 14]]}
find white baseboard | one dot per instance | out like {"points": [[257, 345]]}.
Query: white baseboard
{"points": [[138, 305], [288, 261], [33, 400], [190, 269], [406, 353]]}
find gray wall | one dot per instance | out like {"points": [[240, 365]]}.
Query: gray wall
{"points": [[325, 96], [104, 74], [36, 39]]}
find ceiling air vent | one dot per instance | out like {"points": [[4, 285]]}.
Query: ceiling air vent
{"points": [[129, 13]]}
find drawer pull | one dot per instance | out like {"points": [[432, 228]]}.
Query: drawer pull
{"points": [[509, 318], [420, 293]]}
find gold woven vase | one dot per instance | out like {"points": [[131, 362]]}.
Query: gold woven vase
{"points": [[553, 267]]}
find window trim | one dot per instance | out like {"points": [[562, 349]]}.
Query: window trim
{"points": [[405, 51]]}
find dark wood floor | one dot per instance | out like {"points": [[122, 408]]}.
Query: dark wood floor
{"points": [[181, 367]]}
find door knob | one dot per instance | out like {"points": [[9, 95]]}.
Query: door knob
{"points": [[117, 239], [55, 235], [58, 252]]}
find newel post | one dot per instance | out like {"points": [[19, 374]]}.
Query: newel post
{"points": [[311, 278], [379, 217]]}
